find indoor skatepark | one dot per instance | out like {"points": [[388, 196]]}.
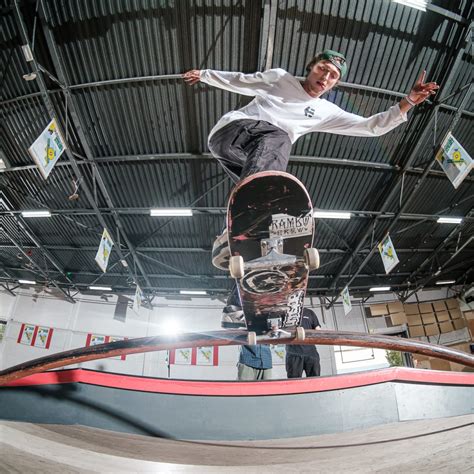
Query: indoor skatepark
{"points": [[113, 357]]}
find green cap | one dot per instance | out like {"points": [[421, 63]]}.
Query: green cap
{"points": [[335, 58]]}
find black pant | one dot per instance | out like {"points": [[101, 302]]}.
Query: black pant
{"points": [[296, 364], [245, 147]]}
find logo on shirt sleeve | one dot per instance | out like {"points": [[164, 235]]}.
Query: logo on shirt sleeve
{"points": [[309, 111]]}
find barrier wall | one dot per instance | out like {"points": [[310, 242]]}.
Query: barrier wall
{"points": [[185, 409]]}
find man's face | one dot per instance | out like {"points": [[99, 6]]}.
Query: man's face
{"points": [[322, 78]]}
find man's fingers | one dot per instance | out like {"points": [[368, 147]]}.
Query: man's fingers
{"points": [[421, 78]]}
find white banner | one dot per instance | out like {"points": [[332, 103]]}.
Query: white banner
{"points": [[103, 254], [183, 356], [26, 335], [205, 356], [137, 300], [454, 160], [278, 354], [346, 300], [42, 337], [388, 254], [47, 148]]}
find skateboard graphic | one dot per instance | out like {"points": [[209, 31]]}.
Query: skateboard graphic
{"points": [[270, 227]]}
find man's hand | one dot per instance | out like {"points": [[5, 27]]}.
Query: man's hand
{"points": [[421, 90], [419, 93], [192, 77]]}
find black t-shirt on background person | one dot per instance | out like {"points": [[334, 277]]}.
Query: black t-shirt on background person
{"points": [[309, 320]]}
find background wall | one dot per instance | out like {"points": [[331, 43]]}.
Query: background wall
{"points": [[112, 315]]}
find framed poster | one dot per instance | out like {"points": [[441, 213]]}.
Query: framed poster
{"points": [[26, 334], [103, 253], [47, 148]]}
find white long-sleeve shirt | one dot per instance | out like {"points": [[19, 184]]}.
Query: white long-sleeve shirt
{"points": [[281, 100]]}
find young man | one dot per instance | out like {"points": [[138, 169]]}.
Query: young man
{"points": [[304, 358], [259, 136]]}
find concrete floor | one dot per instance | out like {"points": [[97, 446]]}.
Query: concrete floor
{"points": [[431, 446]]}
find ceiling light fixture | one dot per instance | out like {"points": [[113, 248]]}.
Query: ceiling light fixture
{"points": [[417, 4], [100, 288], [192, 292], [27, 52], [26, 282], [331, 215], [36, 213], [445, 282], [171, 212], [380, 288], [30, 76], [449, 220]]}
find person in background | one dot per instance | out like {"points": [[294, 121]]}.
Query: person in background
{"points": [[255, 363], [304, 358]]}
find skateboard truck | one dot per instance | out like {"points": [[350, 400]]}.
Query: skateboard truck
{"points": [[273, 243], [275, 334]]}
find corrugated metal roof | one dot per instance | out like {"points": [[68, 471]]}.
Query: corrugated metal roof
{"points": [[141, 141]]}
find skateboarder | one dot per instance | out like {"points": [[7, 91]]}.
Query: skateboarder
{"points": [[259, 136]]}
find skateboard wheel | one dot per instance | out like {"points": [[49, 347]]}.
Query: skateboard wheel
{"points": [[252, 338], [311, 258], [236, 266], [300, 334]]}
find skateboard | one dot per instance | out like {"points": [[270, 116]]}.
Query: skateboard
{"points": [[270, 230]]}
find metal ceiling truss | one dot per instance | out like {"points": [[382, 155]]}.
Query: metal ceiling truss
{"points": [[319, 160], [394, 185], [270, 9], [456, 232], [51, 110]]}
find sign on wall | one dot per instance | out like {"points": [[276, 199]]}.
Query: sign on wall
{"points": [[36, 336], [95, 339], [47, 148], [278, 354], [195, 356]]}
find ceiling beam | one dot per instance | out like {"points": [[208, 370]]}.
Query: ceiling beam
{"points": [[395, 184], [79, 130], [220, 211], [42, 272], [322, 251]]}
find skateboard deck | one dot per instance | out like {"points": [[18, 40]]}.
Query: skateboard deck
{"points": [[270, 224]]}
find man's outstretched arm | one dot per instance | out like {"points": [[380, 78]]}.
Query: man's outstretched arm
{"points": [[245, 84], [419, 93]]}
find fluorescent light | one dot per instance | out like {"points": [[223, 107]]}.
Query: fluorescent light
{"points": [[332, 215], [26, 282], [380, 288], [418, 4], [124, 263], [36, 213], [171, 212], [445, 282], [27, 52], [100, 288], [449, 220], [192, 292]]}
